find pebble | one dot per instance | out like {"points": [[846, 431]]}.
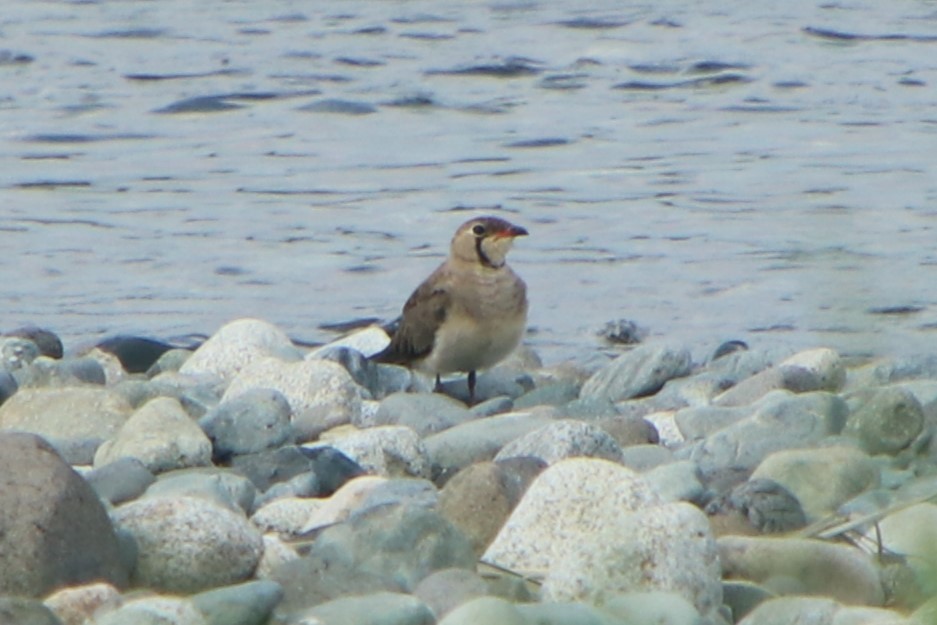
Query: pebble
{"points": [[187, 544], [321, 393], [54, 530], [161, 436], [256, 420], [641, 371], [791, 566], [253, 481], [236, 345]]}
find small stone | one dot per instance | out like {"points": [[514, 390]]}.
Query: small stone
{"points": [[485, 610], [821, 479], [676, 481], [24, 611], [563, 439], [557, 393], [153, 611], [478, 440], [767, 505], [75, 606], [383, 608], [135, 353], [236, 345], [321, 393], [169, 362], [48, 342], [446, 589], [161, 436], [622, 332], [286, 515], [912, 533], [389, 450], [802, 566], [17, 353], [639, 372], [887, 422], [256, 420], [189, 544], [811, 370], [780, 421], [341, 504], [54, 530], [121, 480], [424, 413], [250, 603], [276, 554], [220, 486], [65, 415], [652, 608], [566, 613]]}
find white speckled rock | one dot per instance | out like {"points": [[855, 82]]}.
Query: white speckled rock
{"points": [[187, 544], [238, 344], [161, 436], [153, 611], [668, 547], [567, 504], [287, 515], [75, 605], [566, 438], [821, 478], [389, 450], [321, 393], [368, 341]]}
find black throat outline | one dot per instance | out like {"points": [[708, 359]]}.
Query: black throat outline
{"points": [[482, 256]]}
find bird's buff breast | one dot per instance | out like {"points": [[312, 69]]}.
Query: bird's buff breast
{"points": [[465, 345]]}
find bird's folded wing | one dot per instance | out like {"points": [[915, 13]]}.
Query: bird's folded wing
{"points": [[423, 313]]}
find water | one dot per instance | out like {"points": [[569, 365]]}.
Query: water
{"points": [[710, 170]]}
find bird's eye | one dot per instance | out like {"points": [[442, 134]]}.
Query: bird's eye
{"points": [[478, 230]]}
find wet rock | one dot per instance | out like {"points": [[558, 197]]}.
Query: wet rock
{"points": [[639, 372], [23, 611], [153, 610], [446, 589], [424, 413], [485, 610], [189, 544], [48, 342], [887, 421], [790, 566], [389, 450], [78, 605], [66, 416], [765, 504], [566, 438], [780, 421], [135, 353], [250, 603], [121, 480], [479, 499], [321, 393], [160, 435], [257, 420], [53, 529], [383, 608], [478, 440], [811, 370], [236, 345], [822, 478]]}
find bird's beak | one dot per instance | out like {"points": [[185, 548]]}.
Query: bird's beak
{"points": [[511, 232]]}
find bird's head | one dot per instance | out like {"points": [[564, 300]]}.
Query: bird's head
{"points": [[485, 240]]}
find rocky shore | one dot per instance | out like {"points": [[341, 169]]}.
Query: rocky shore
{"points": [[250, 481]]}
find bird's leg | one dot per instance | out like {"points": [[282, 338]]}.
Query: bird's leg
{"points": [[471, 387], [438, 387]]}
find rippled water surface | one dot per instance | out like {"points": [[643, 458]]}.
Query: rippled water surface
{"points": [[710, 170]]}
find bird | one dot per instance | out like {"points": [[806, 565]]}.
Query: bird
{"points": [[470, 313]]}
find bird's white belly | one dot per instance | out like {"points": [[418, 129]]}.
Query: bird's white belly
{"points": [[465, 345]]}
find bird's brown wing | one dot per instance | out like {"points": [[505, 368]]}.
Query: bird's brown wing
{"points": [[423, 313]]}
